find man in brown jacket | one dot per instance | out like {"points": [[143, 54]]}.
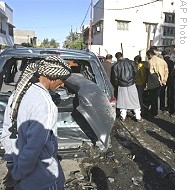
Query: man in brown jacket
{"points": [[157, 77], [107, 64]]}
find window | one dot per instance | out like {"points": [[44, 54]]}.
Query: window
{"points": [[1, 29], [167, 42], [10, 30], [98, 27], [150, 27], [169, 18], [169, 31], [122, 25]]}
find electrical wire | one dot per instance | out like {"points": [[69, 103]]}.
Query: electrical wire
{"points": [[129, 7], [85, 16]]}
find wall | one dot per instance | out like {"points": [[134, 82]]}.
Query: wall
{"points": [[23, 36], [6, 19], [135, 39]]}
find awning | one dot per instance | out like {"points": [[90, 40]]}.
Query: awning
{"points": [[6, 41], [10, 41], [3, 41]]}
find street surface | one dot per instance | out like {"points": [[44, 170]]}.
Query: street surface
{"points": [[141, 157]]}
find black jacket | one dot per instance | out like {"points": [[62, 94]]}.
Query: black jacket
{"points": [[123, 73]]}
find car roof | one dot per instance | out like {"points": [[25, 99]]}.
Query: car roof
{"points": [[40, 53], [64, 53]]}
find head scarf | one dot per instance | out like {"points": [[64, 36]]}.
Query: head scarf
{"points": [[51, 67]]}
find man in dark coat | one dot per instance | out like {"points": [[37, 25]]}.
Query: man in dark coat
{"points": [[123, 77]]}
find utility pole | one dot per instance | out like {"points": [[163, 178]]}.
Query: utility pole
{"points": [[90, 28]]}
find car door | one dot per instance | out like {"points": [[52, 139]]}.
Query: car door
{"points": [[90, 108]]}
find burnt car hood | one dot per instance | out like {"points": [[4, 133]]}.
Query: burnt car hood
{"points": [[93, 110]]}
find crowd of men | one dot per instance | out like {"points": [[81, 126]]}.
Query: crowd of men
{"points": [[143, 87]]}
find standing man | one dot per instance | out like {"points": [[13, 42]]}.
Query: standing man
{"points": [[171, 93], [157, 77], [141, 79], [164, 95], [29, 133], [107, 64], [156, 52], [161, 98], [123, 77]]}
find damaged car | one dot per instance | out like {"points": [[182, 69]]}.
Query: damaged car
{"points": [[85, 104]]}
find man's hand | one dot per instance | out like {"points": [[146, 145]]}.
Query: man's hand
{"points": [[163, 83], [7, 176], [8, 181]]}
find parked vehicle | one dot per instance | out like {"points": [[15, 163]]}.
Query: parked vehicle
{"points": [[86, 104]]}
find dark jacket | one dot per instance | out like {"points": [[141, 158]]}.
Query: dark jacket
{"points": [[171, 65], [171, 78], [123, 73]]}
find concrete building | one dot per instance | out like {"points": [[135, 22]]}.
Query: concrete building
{"points": [[25, 36], [8, 34], [132, 26], [6, 26]]}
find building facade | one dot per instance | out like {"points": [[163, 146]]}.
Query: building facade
{"points": [[25, 36], [132, 26], [6, 26]]}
